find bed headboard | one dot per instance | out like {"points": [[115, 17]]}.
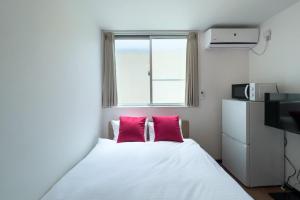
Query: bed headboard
{"points": [[184, 123]]}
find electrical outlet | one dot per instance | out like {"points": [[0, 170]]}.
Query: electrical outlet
{"points": [[268, 35]]}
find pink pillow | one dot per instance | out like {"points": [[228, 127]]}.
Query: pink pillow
{"points": [[131, 129], [166, 128]]}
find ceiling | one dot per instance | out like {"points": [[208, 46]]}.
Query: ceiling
{"points": [[182, 14]]}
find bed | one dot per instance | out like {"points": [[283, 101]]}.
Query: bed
{"points": [[147, 171]]}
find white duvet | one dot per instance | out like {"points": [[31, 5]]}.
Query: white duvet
{"points": [[147, 171]]}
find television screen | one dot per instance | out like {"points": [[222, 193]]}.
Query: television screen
{"points": [[283, 111]]}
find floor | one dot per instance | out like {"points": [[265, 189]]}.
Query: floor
{"points": [[262, 193]]}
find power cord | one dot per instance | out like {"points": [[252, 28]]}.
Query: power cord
{"points": [[294, 168], [277, 90], [290, 162]]}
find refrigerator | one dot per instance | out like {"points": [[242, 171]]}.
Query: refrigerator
{"points": [[252, 152]]}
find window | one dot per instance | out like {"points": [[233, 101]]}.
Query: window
{"points": [[150, 70]]}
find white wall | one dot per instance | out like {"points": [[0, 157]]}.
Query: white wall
{"points": [[281, 64], [219, 68], [49, 93]]}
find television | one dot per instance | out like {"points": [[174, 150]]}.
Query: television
{"points": [[283, 111]]}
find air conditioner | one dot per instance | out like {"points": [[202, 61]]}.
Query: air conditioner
{"points": [[231, 37]]}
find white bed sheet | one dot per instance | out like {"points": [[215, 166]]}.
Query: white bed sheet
{"points": [[147, 171]]}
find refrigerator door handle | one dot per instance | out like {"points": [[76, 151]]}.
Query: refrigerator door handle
{"points": [[246, 92]]}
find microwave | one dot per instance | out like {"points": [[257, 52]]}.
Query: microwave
{"points": [[252, 91]]}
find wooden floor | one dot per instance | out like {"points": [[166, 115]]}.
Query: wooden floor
{"points": [[262, 193]]}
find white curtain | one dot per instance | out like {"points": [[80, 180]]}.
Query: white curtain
{"points": [[192, 81], [109, 84]]}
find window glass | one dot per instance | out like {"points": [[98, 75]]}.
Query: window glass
{"points": [[132, 66], [168, 70]]}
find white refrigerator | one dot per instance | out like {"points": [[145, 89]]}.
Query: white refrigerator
{"points": [[251, 151]]}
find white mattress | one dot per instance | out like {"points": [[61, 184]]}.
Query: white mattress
{"points": [[147, 171]]}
